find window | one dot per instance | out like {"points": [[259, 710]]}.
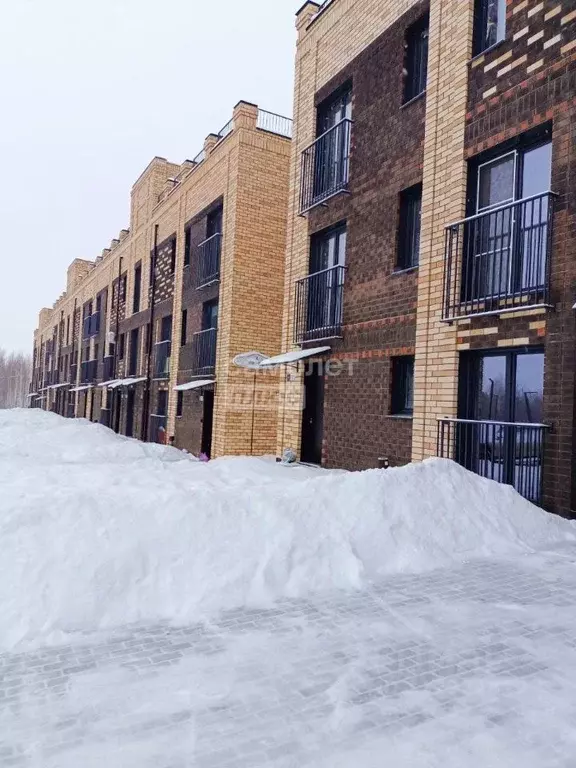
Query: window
{"points": [[123, 287], [187, 246], [489, 24], [402, 386], [179, 404], [133, 362], [137, 288], [68, 330], [506, 247], [122, 346], [96, 352], [416, 59], [214, 223], [173, 255], [184, 329], [166, 328], [162, 406], [409, 229], [210, 315]]}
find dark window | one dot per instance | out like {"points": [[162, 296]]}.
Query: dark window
{"points": [[68, 330], [98, 303], [173, 255], [179, 404], [210, 315], [123, 287], [166, 328], [335, 109], [184, 329], [328, 249], [214, 223], [137, 288], [416, 60], [96, 352], [489, 24], [133, 362], [122, 346], [187, 246], [409, 229], [162, 407], [402, 386]]}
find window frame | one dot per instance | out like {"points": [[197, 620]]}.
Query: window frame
{"points": [[409, 240], [179, 404], [416, 45], [187, 246], [480, 40], [137, 295], [401, 396], [184, 327]]}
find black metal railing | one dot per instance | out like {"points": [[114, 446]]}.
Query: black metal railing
{"points": [[499, 260], [162, 359], [273, 123], [208, 261], [157, 428], [325, 165], [507, 452], [319, 304], [204, 355]]}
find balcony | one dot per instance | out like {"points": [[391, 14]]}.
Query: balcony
{"points": [[204, 354], [162, 360], [319, 305], [325, 166], [208, 261], [507, 452], [499, 261]]}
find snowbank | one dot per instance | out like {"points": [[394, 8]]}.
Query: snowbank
{"points": [[98, 530]]}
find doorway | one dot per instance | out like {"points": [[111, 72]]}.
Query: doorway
{"points": [[207, 422], [130, 412], [313, 415]]}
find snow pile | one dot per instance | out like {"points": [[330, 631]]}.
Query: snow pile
{"points": [[98, 530]]}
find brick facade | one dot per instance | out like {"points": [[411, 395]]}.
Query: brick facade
{"points": [[245, 169]]}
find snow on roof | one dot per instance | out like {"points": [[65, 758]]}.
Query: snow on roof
{"points": [[293, 357], [59, 386], [194, 385], [109, 383], [82, 388], [31, 395]]}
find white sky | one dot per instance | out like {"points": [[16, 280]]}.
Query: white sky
{"points": [[90, 91]]}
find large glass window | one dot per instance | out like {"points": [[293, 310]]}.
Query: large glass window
{"points": [[409, 229], [402, 402]]}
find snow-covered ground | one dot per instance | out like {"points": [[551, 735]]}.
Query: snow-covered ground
{"points": [[158, 612]]}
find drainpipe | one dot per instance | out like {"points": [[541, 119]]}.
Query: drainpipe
{"points": [[115, 400], [146, 403]]}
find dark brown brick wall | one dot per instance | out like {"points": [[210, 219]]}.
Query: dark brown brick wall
{"points": [[188, 430], [379, 304], [164, 274], [548, 96]]}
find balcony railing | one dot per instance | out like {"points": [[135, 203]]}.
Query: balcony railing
{"points": [[157, 425], [204, 357], [507, 452], [273, 123], [162, 362], [319, 305], [499, 260], [208, 261], [325, 165]]}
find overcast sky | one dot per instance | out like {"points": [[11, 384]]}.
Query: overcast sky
{"points": [[90, 91]]}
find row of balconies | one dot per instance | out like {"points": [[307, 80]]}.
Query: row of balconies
{"points": [[496, 261]]}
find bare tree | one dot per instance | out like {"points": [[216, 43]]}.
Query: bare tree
{"points": [[15, 371]]}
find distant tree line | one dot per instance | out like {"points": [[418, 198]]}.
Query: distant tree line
{"points": [[15, 371]]}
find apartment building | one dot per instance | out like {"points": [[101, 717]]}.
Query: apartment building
{"points": [[143, 338], [431, 252]]}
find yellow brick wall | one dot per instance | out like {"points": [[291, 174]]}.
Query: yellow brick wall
{"points": [[443, 201]]}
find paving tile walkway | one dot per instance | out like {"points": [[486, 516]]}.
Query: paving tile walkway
{"points": [[468, 666]]}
